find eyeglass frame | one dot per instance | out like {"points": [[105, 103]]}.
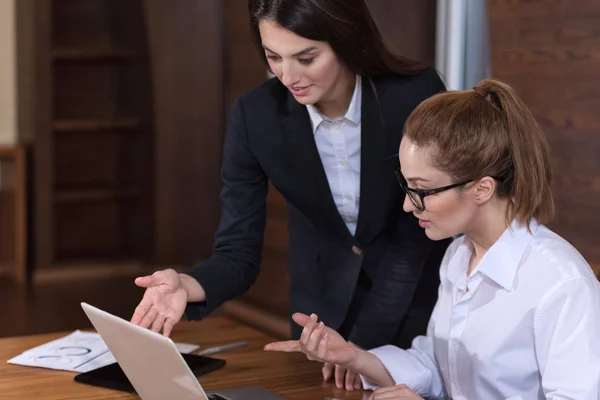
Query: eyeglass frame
{"points": [[422, 193]]}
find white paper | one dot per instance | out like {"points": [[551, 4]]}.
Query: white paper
{"points": [[77, 352]]}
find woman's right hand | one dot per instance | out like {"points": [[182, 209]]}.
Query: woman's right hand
{"points": [[163, 303], [318, 342]]}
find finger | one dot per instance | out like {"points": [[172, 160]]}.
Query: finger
{"points": [[327, 371], [168, 327], [397, 395], [385, 389], [315, 339], [140, 311], [158, 323], [308, 330], [386, 395], [300, 319], [149, 318], [350, 376], [398, 389], [357, 382], [339, 376], [286, 346], [322, 349], [144, 281]]}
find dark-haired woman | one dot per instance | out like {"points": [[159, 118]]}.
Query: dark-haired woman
{"points": [[324, 131]]}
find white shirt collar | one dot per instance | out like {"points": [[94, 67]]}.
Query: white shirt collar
{"points": [[501, 262], [353, 114]]}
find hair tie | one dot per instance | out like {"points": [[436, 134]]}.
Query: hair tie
{"points": [[481, 92]]}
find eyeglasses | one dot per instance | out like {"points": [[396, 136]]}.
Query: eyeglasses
{"points": [[417, 196]]}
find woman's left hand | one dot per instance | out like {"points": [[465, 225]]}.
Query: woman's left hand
{"points": [[399, 392], [318, 342]]}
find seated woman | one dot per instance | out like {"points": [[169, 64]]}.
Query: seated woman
{"points": [[518, 314]]}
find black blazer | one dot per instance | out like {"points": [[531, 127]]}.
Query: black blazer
{"points": [[270, 137]]}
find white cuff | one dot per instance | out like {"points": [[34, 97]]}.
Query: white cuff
{"points": [[403, 367]]}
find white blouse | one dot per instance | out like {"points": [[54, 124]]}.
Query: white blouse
{"points": [[338, 142], [525, 324]]}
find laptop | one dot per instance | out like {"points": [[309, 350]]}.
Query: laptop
{"points": [[155, 367]]}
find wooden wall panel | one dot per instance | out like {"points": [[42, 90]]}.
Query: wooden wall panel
{"points": [[42, 252], [549, 52], [13, 213], [408, 27], [186, 48], [7, 234], [246, 70]]}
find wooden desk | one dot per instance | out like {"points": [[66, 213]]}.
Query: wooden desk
{"points": [[289, 375]]}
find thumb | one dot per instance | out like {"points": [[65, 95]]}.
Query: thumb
{"points": [[145, 281], [301, 319]]}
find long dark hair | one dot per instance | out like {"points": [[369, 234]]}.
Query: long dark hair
{"points": [[346, 25]]}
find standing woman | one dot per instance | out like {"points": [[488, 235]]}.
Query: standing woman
{"points": [[325, 131]]}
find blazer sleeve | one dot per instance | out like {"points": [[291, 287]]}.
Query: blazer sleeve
{"points": [[400, 269], [394, 286], [235, 263]]}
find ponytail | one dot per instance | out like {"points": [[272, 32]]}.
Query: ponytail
{"points": [[531, 175]]}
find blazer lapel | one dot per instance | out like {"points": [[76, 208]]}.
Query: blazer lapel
{"points": [[372, 160], [308, 167]]}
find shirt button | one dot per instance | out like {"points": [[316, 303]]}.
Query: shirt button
{"points": [[357, 250], [348, 197], [337, 128], [343, 163]]}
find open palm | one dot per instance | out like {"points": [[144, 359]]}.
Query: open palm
{"points": [[163, 303], [318, 342]]}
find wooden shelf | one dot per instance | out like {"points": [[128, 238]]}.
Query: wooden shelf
{"points": [[95, 125], [80, 196], [95, 55], [94, 146], [8, 151]]}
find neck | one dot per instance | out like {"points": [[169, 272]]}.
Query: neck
{"points": [[339, 100], [487, 228]]}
